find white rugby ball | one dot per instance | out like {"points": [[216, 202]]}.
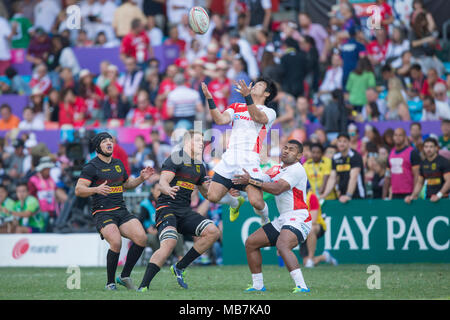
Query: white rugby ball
{"points": [[199, 20]]}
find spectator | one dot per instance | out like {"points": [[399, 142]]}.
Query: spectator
{"points": [[377, 49], [403, 164], [386, 14], [5, 53], [429, 83], [396, 48], [294, 70], [415, 104], [90, 10], [259, 14], [332, 79], [8, 121], [62, 56], [14, 163], [308, 46], [237, 72], [21, 26], [434, 111], [39, 48], [316, 31], [377, 182], [415, 136], [91, 94], [150, 83], [72, 109], [123, 16], [153, 32], [45, 14], [417, 77], [136, 44], [396, 103], [41, 82], [334, 115], [6, 206], [440, 94], [166, 86], [198, 75], [347, 173], [131, 80], [66, 79], [359, 81], [101, 81], [18, 84], [269, 68], [302, 114], [318, 169], [435, 170], [375, 108], [51, 106], [26, 209], [175, 9], [37, 104], [220, 86], [444, 139], [388, 138], [285, 112], [42, 186], [121, 154], [30, 122], [174, 39], [144, 115], [114, 106], [418, 7], [83, 40], [355, 141], [183, 103], [105, 19], [350, 53], [246, 53], [139, 156]]}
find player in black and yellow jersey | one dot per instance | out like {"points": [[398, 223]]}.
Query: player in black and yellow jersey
{"points": [[435, 170], [181, 173], [105, 179]]}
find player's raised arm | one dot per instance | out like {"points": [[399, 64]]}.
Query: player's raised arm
{"points": [[132, 183], [164, 182], [256, 114], [218, 117]]}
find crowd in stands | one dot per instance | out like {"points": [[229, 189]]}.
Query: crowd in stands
{"points": [[336, 75]]}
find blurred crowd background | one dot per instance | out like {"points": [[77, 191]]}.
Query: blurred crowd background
{"points": [[344, 72]]}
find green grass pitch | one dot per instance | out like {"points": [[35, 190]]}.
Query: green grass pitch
{"points": [[401, 281]]}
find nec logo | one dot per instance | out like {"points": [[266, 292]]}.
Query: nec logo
{"points": [[237, 117]]}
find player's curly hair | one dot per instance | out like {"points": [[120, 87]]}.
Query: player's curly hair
{"points": [[271, 87]]}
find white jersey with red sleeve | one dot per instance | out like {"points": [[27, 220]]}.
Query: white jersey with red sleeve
{"points": [[293, 199], [247, 136], [291, 204]]}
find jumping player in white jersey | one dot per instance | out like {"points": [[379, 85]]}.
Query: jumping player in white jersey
{"points": [[250, 123], [288, 184]]}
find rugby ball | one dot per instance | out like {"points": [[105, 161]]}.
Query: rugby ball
{"points": [[198, 20]]}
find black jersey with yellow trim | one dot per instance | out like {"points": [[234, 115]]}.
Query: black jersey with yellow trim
{"points": [[97, 172], [188, 174]]}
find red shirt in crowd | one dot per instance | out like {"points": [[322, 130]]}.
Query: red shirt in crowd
{"points": [[166, 86], [140, 116], [121, 154], [377, 50], [136, 46], [44, 84], [220, 91], [427, 90], [73, 113], [180, 43]]}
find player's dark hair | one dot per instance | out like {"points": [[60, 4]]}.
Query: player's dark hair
{"points": [[318, 145], [270, 87], [297, 143], [432, 140]]}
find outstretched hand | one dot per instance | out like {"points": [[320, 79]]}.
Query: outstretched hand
{"points": [[206, 92], [242, 87], [241, 178], [147, 172]]}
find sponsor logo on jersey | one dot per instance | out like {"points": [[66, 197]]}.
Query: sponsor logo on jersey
{"points": [[186, 185], [343, 167], [118, 168], [117, 189], [197, 167], [434, 181]]}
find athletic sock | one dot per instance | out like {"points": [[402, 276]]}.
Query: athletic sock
{"points": [[190, 256], [150, 272], [134, 253], [264, 213], [112, 258], [229, 200], [297, 276], [258, 282]]}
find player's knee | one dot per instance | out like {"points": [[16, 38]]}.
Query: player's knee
{"points": [[283, 246], [250, 244], [141, 240], [115, 245], [213, 196], [257, 203]]}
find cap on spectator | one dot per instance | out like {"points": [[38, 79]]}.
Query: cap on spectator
{"points": [[39, 31], [45, 163], [84, 72], [18, 143], [199, 62], [222, 64], [112, 67]]}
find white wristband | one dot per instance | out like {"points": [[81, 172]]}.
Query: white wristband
{"points": [[439, 195]]}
